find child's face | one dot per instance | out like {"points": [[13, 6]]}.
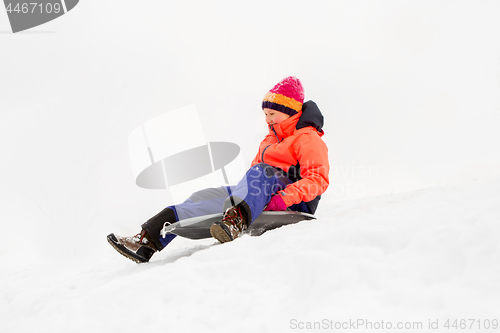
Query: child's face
{"points": [[275, 117]]}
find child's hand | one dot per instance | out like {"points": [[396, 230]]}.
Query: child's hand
{"points": [[276, 203]]}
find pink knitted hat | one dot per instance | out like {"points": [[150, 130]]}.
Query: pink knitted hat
{"points": [[287, 96]]}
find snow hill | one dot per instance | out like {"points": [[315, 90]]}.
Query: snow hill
{"points": [[422, 257]]}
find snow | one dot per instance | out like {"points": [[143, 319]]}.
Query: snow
{"points": [[431, 254], [410, 93]]}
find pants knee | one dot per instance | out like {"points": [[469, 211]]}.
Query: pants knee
{"points": [[269, 170]]}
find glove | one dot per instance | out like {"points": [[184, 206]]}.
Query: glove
{"points": [[276, 203]]}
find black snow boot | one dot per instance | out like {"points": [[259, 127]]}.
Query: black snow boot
{"points": [[142, 246], [138, 248], [232, 224]]}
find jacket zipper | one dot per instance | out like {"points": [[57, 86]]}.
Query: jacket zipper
{"points": [[262, 156], [276, 135]]}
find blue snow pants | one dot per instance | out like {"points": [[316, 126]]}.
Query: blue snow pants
{"points": [[253, 192]]}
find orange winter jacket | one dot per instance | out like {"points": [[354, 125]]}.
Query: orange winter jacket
{"points": [[296, 147]]}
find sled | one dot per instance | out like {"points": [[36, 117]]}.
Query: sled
{"points": [[199, 227]]}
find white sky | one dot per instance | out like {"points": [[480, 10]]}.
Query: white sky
{"points": [[409, 89]]}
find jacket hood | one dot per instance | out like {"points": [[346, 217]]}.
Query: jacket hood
{"points": [[311, 116]]}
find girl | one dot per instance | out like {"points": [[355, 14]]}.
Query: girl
{"points": [[290, 171]]}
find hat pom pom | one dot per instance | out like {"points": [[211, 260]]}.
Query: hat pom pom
{"points": [[290, 87]]}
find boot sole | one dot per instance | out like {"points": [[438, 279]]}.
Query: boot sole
{"points": [[112, 241], [218, 233]]}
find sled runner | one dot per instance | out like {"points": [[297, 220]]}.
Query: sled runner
{"points": [[199, 227]]}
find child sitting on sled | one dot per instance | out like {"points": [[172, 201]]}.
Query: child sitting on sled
{"points": [[290, 171]]}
